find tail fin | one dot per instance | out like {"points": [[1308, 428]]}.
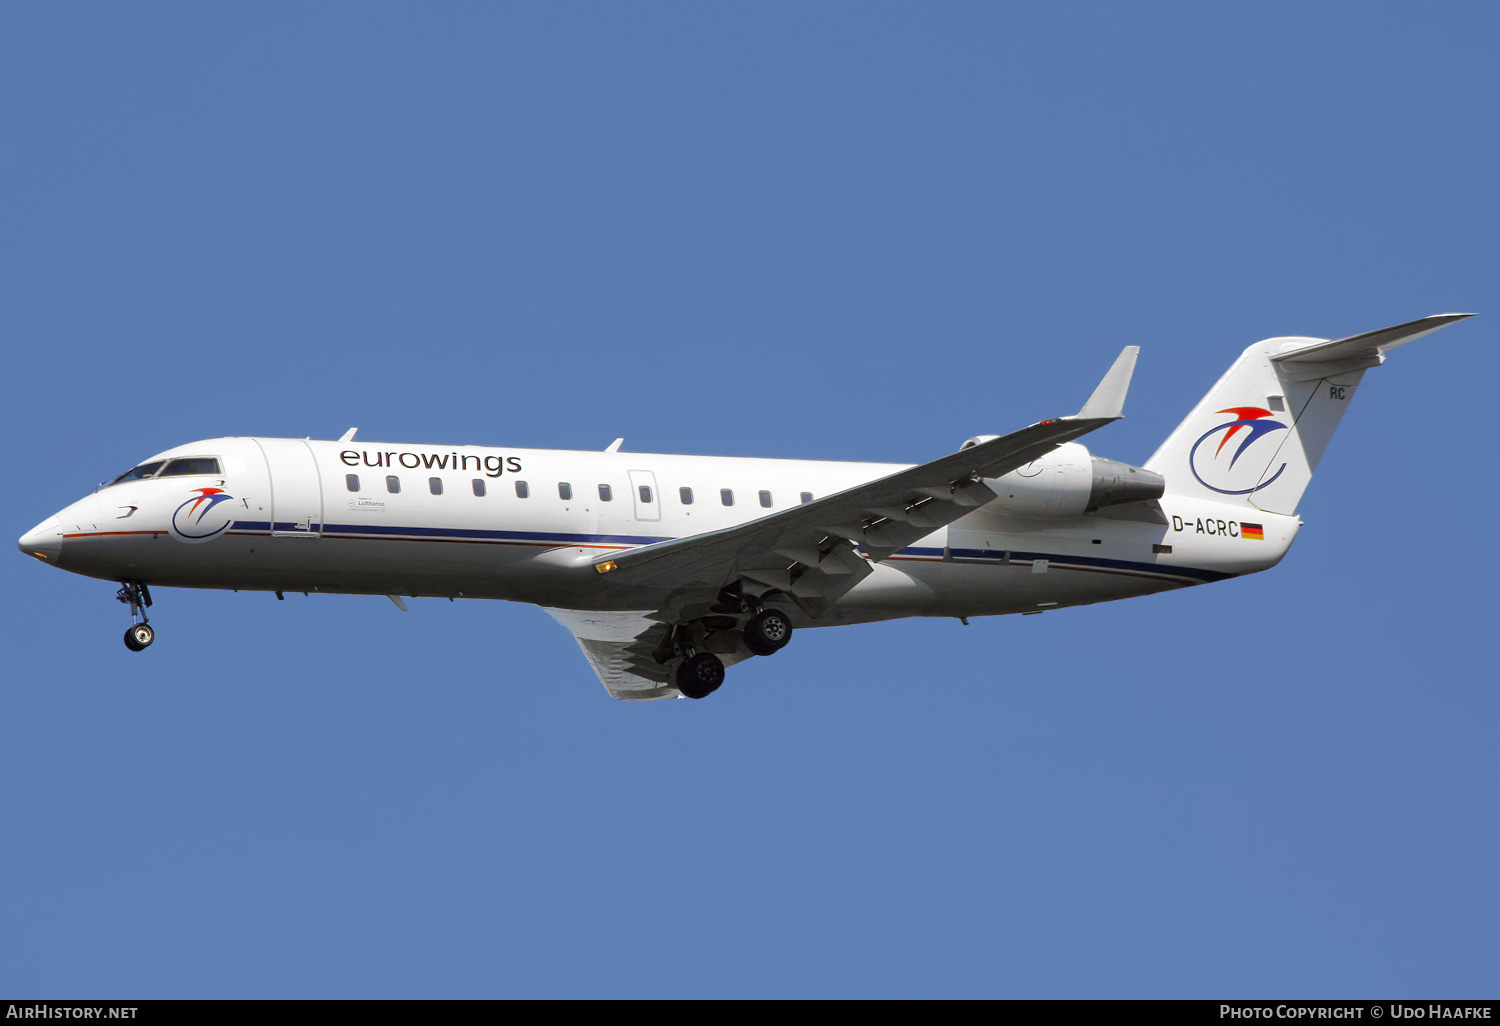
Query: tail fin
{"points": [[1258, 434]]}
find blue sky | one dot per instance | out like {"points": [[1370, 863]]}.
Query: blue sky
{"points": [[842, 231]]}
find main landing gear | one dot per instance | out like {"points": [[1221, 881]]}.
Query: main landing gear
{"points": [[700, 675], [701, 670], [767, 632], [137, 596]]}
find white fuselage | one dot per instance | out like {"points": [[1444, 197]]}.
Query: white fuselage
{"points": [[365, 517]]}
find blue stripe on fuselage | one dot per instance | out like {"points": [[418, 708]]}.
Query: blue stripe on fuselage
{"points": [[461, 533], [1085, 561], [558, 539]]}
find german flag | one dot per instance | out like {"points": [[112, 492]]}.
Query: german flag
{"points": [[1252, 531]]}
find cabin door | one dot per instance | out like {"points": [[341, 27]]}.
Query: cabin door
{"points": [[296, 488]]}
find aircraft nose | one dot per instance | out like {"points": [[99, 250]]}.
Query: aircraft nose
{"points": [[44, 541]]}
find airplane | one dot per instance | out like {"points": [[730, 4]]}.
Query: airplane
{"points": [[668, 568]]}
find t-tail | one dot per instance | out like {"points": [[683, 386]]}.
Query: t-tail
{"points": [[1258, 435]]}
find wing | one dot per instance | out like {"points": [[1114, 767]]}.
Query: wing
{"points": [[621, 646], [819, 551]]}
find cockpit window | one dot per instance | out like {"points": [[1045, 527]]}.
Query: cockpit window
{"points": [[143, 471], [185, 466]]}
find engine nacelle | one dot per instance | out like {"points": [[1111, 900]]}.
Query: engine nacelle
{"points": [[1067, 482]]}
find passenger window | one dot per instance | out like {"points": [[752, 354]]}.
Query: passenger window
{"points": [[765, 498], [191, 465], [806, 498], [393, 484], [521, 490], [564, 490], [436, 484], [145, 470], [352, 481], [726, 496], [605, 494], [479, 487], [686, 495], [645, 493]]}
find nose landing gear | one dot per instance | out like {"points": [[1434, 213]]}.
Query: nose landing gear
{"points": [[138, 636], [137, 596]]}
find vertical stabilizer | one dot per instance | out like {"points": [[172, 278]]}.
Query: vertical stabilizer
{"points": [[1258, 435]]}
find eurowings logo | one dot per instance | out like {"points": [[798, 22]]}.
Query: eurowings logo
{"points": [[1216, 466], [196, 521]]}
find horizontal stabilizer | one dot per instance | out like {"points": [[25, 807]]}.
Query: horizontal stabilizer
{"points": [[1372, 345]]}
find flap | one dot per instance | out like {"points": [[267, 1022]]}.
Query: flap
{"points": [[620, 646]]}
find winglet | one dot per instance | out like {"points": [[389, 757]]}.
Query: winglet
{"points": [[1108, 400]]}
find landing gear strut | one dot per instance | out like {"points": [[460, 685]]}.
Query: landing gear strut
{"points": [[137, 596]]}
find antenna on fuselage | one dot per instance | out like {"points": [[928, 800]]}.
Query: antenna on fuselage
{"points": [[615, 445], [348, 436]]}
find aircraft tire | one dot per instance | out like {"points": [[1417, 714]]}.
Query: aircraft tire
{"points": [[139, 637], [768, 632], [700, 675]]}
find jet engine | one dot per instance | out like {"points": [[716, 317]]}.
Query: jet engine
{"points": [[1068, 482]]}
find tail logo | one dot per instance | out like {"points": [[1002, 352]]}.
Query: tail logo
{"points": [[196, 520], [1215, 466]]}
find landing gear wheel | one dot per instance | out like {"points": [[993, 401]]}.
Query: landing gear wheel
{"points": [[768, 632], [139, 636], [700, 675], [137, 596]]}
